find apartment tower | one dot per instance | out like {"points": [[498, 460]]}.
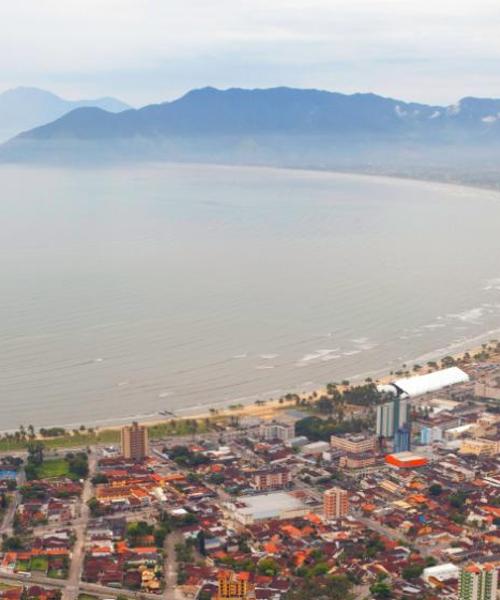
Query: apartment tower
{"points": [[478, 582], [135, 442], [335, 503]]}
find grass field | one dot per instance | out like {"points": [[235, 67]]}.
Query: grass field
{"points": [[23, 565], [106, 436], [86, 597], [57, 573], [56, 467], [39, 563], [112, 436]]}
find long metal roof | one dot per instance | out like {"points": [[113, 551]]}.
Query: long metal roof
{"points": [[432, 382]]}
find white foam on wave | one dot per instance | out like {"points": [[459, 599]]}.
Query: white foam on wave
{"points": [[263, 367], [468, 316], [492, 285], [434, 325], [318, 355], [240, 355], [330, 357], [269, 356]]}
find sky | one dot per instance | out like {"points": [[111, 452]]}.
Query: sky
{"points": [[144, 51]]}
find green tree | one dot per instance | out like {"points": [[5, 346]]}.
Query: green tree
{"points": [[381, 589], [435, 489]]}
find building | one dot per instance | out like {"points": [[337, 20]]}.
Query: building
{"points": [[357, 461], [335, 503], [391, 416], [478, 582], [429, 435], [481, 447], [135, 441], [275, 430], [411, 387], [271, 479], [354, 444], [297, 442], [440, 573], [405, 460], [402, 440], [315, 448], [234, 586], [482, 390], [261, 507]]}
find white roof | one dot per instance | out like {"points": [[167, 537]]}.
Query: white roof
{"points": [[422, 384], [269, 506], [442, 572]]}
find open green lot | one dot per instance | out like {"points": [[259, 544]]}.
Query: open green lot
{"points": [[23, 565], [56, 467], [57, 573], [39, 563]]}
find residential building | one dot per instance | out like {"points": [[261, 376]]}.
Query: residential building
{"points": [[393, 415], [480, 447], [275, 430], [234, 586], [335, 503], [478, 582], [271, 479], [135, 442], [354, 444], [357, 461], [428, 435]]}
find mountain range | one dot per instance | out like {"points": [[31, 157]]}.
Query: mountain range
{"points": [[278, 126], [23, 108]]}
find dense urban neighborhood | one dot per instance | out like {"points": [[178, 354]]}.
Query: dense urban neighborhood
{"points": [[367, 491]]}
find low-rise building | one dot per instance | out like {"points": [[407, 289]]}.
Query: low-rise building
{"points": [[315, 448], [440, 573], [277, 505], [275, 430], [271, 479], [354, 444], [480, 447]]}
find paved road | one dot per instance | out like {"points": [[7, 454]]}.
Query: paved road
{"points": [[8, 521], [78, 554], [172, 592]]}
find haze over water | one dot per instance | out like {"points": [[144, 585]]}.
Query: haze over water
{"points": [[128, 291]]}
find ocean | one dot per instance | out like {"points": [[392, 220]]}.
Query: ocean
{"points": [[132, 290]]}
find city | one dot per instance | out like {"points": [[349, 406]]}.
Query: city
{"points": [[368, 491]]}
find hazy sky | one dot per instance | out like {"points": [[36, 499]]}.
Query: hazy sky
{"points": [[151, 50]]}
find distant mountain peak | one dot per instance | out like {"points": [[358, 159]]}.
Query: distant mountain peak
{"points": [[25, 107]]}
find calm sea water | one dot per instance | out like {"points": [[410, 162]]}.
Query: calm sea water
{"points": [[124, 292]]}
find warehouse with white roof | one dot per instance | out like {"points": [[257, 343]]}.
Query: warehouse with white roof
{"points": [[410, 387]]}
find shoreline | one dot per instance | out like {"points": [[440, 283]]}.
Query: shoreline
{"points": [[271, 407]]}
